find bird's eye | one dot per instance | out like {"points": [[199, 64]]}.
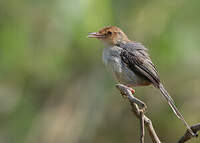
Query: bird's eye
{"points": [[109, 32]]}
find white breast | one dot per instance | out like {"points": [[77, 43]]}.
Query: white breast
{"points": [[112, 59]]}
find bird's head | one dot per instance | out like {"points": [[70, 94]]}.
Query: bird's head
{"points": [[111, 35]]}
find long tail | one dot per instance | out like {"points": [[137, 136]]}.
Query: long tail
{"points": [[172, 105], [170, 101]]}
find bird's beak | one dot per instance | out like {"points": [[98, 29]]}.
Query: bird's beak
{"points": [[94, 35]]}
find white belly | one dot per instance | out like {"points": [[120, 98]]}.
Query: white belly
{"points": [[111, 58]]}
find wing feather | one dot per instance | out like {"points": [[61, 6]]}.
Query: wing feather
{"points": [[139, 61]]}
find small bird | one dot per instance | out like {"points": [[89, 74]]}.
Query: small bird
{"points": [[130, 63]]}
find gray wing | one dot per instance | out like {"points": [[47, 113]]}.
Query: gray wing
{"points": [[138, 60]]}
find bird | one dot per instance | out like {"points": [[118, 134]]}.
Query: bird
{"points": [[130, 63]]}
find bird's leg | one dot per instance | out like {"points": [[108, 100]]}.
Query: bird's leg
{"points": [[131, 89]]}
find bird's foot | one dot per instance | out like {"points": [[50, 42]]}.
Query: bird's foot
{"points": [[132, 91], [123, 88], [125, 96]]}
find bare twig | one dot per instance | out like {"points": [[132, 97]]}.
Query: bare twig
{"points": [[187, 135], [144, 120], [142, 126], [135, 109]]}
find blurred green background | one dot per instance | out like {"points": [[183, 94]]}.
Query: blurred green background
{"points": [[54, 87]]}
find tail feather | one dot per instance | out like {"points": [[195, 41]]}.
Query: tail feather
{"points": [[170, 101], [172, 105]]}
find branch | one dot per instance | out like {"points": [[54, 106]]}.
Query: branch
{"points": [[142, 126], [187, 135], [139, 113], [144, 120]]}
